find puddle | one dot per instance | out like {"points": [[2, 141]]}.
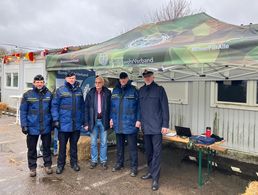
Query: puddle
{"points": [[49, 180]]}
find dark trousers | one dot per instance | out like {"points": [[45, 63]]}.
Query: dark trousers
{"points": [[132, 142], [153, 147], [32, 141], [63, 138]]}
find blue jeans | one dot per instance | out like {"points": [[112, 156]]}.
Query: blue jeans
{"points": [[98, 129]]}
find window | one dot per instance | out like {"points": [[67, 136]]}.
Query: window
{"points": [[8, 79], [12, 79], [29, 85], [256, 92], [232, 91], [15, 79], [235, 94]]}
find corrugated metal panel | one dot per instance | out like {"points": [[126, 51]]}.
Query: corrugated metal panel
{"points": [[238, 127]]}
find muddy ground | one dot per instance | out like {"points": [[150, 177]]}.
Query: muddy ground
{"points": [[177, 177]]}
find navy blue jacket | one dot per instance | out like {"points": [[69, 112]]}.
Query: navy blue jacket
{"points": [[125, 109], [68, 107], [91, 108], [153, 108], [35, 111]]}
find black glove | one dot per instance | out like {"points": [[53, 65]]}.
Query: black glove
{"points": [[56, 124], [25, 130]]}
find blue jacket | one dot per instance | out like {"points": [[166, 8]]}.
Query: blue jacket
{"points": [[68, 107], [124, 109], [35, 111], [153, 108], [91, 108]]}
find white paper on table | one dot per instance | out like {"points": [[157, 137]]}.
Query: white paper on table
{"points": [[171, 134]]}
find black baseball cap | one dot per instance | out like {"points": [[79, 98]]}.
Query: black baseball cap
{"points": [[123, 75], [147, 73], [38, 77], [70, 74]]}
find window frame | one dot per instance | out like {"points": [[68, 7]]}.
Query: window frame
{"points": [[12, 80], [250, 98], [7, 74]]}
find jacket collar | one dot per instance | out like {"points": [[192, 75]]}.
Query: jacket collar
{"points": [[42, 91], [72, 87], [153, 83], [126, 86]]}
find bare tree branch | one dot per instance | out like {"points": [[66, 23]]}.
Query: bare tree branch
{"points": [[173, 10]]}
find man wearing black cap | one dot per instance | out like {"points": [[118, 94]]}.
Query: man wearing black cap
{"points": [[35, 120], [154, 122], [125, 121], [67, 112]]}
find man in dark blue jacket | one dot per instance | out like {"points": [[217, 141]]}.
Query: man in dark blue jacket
{"points": [[67, 112], [36, 120], [97, 116], [154, 122], [125, 121]]}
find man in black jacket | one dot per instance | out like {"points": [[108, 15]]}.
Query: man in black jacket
{"points": [[154, 122], [97, 117]]}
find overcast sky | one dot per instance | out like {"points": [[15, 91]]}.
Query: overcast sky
{"points": [[60, 23]]}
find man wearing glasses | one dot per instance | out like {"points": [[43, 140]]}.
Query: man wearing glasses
{"points": [[97, 116]]}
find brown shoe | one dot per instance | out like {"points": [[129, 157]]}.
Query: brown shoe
{"points": [[33, 173], [48, 170]]}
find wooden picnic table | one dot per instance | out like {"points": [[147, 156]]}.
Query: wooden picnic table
{"points": [[209, 149]]}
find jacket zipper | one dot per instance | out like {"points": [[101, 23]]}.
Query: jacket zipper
{"points": [[41, 113], [73, 110]]}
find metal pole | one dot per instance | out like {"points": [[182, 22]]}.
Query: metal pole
{"points": [[200, 168]]}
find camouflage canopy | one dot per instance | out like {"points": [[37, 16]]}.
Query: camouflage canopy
{"points": [[190, 48]]}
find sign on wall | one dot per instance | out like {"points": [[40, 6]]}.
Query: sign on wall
{"points": [[85, 77]]}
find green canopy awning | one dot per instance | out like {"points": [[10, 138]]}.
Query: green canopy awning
{"points": [[196, 46]]}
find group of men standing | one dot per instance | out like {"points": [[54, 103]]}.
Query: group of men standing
{"points": [[125, 110]]}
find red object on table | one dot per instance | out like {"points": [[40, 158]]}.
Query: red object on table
{"points": [[208, 132]]}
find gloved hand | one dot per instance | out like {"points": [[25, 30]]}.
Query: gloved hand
{"points": [[25, 130], [56, 124]]}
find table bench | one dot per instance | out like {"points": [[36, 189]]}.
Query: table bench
{"points": [[210, 149]]}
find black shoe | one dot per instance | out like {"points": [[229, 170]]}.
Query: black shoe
{"points": [[155, 185], [133, 173], [117, 167], [59, 170], [93, 165], [104, 165], [146, 176], [76, 167]]}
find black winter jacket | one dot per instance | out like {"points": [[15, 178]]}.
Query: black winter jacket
{"points": [[154, 112]]}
